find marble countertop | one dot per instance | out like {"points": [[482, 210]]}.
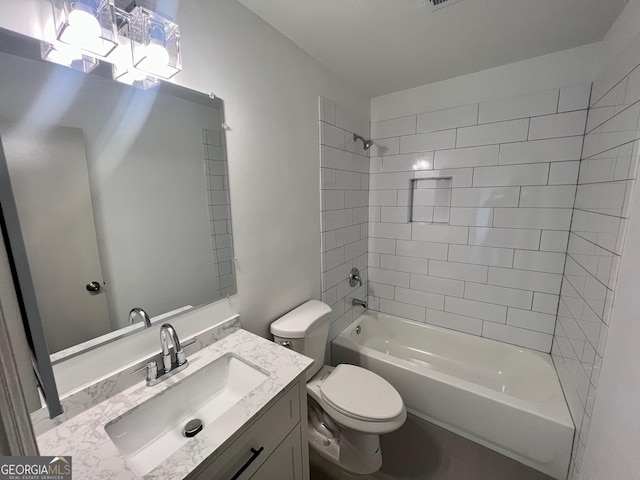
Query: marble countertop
{"points": [[96, 457]]}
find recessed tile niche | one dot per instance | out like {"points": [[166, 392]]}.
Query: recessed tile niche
{"points": [[430, 200]]}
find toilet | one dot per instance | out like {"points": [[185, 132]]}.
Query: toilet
{"points": [[349, 406]]}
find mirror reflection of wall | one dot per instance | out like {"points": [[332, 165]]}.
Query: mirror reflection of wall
{"points": [[219, 210], [50, 184], [117, 186]]}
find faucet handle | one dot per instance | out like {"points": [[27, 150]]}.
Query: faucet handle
{"points": [[181, 358], [152, 370], [354, 277]]}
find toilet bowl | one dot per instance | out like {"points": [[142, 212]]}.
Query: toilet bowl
{"points": [[349, 406]]}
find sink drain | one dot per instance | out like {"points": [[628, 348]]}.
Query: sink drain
{"points": [[192, 428]]}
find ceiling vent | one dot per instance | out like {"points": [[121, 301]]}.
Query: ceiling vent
{"points": [[438, 4]]}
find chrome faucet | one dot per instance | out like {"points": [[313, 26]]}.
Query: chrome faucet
{"points": [[170, 366], [168, 332], [137, 311], [357, 301]]}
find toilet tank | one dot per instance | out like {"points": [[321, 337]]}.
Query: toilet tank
{"points": [[307, 328]]}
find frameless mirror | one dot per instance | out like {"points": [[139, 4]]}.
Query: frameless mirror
{"points": [[112, 197]]}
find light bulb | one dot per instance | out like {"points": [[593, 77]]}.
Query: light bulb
{"points": [[83, 25], [157, 55], [155, 44]]}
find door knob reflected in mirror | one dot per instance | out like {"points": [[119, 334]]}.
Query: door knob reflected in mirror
{"points": [[93, 287]]}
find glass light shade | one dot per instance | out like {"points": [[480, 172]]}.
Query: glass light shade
{"points": [[123, 70], [155, 43], [136, 78], [86, 24], [67, 56]]}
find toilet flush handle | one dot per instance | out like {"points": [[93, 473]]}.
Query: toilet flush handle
{"points": [[286, 343]]}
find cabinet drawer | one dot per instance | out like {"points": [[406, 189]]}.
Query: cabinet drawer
{"points": [[258, 442]]}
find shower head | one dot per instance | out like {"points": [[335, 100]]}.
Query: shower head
{"points": [[365, 143]]}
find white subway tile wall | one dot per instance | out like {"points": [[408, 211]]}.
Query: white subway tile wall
{"points": [[217, 179], [496, 269], [541, 187], [345, 169], [606, 180]]}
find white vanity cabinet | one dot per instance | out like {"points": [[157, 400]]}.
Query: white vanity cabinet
{"points": [[271, 446]]}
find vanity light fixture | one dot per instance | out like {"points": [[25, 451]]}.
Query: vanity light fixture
{"points": [[155, 43], [86, 24], [67, 56], [141, 45]]}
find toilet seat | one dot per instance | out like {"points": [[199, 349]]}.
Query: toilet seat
{"points": [[361, 394], [340, 391]]}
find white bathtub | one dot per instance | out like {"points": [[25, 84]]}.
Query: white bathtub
{"points": [[501, 396]]}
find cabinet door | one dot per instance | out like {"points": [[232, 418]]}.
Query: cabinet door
{"points": [[285, 463], [245, 456]]}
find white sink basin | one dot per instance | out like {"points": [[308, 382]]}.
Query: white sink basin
{"points": [[149, 433]]}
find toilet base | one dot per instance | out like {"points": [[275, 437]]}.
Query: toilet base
{"points": [[323, 469], [350, 451]]}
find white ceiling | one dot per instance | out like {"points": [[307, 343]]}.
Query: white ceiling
{"points": [[383, 46]]}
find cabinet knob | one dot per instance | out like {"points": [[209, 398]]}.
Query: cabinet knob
{"points": [[93, 287]]}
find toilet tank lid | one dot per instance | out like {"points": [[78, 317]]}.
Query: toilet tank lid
{"points": [[301, 320]]}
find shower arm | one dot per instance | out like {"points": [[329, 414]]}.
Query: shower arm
{"points": [[365, 143]]}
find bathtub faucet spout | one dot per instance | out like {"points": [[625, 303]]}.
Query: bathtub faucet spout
{"points": [[357, 301]]}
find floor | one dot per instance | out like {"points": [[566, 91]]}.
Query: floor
{"points": [[423, 451]]}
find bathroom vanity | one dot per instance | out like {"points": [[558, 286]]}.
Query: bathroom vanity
{"points": [[248, 392], [269, 447]]}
